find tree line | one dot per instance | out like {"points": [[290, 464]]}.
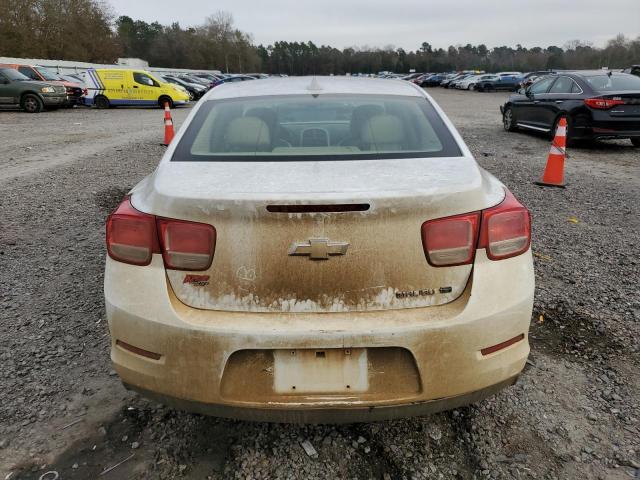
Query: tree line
{"points": [[87, 30]]}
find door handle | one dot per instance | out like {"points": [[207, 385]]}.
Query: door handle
{"points": [[536, 101], [135, 86], [559, 101]]}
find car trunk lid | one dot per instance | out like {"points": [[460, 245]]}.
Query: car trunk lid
{"points": [[318, 236], [627, 104]]}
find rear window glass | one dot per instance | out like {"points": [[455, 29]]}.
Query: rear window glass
{"points": [[604, 83], [320, 127]]}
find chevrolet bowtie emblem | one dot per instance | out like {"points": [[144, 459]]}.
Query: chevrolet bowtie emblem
{"points": [[318, 248]]}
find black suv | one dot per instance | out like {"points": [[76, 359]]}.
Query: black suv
{"points": [[596, 104]]}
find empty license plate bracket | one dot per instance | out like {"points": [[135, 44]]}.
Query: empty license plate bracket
{"points": [[320, 371]]}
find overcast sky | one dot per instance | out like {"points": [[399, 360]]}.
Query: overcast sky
{"points": [[406, 23]]}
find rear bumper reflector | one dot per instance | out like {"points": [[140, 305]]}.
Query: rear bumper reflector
{"points": [[138, 351], [332, 208], [500, 346]]}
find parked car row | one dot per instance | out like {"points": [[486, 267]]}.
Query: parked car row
{"points": [[471, 80], [35, 88], [596, 104]]}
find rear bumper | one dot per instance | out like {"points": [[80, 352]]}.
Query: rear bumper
{"points": [[327, 415], [608, 132], [604, 125], [222, 362]]}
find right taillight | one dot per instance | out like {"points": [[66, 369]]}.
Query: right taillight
{"points": [[603, 103], [133, 237], [505, 229]]}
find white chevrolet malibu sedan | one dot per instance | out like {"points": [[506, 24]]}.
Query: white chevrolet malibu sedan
{"points": [[318, 250]]}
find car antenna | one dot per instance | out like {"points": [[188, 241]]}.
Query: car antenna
{"points": [[314, 87]]}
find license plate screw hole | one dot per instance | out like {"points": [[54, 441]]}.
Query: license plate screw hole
{"points": [[321, 354], [347, 351], [348, 386]]}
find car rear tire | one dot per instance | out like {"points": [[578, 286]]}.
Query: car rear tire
{"points": [[635, 142], [102, 102], [165, 99], [31, 103], [507, 120]]}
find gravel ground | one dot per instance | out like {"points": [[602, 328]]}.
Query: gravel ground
{"points": [[573, 414]]}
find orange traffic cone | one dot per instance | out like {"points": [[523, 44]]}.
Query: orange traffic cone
{"points": [[554, 171], [168, 125]]}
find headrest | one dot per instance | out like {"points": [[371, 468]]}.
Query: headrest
{"points": [[383, 132], [360, 115], [269, 116], [248, 134]]}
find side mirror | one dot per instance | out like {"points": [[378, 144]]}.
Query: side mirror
{"points": [[528, 93], [522, 91]]}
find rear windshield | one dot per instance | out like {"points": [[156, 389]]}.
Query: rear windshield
{"points": [[320, 127], [604, 83]]}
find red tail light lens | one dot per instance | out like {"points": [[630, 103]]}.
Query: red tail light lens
{"points": [[602, 103], [506, 229], [451, 241], [131, 235], [186, 245]]}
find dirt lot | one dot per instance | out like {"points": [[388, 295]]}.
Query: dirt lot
{"points": [[574, 414]]}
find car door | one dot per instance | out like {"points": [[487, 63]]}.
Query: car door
{"points": [[553, 102], [7, 91], [509, 82], [145, 89], [529, 113], [490, 80], [502, 83]]}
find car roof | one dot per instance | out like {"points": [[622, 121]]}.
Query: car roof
{"points": [[589, 73], [320, 85]]}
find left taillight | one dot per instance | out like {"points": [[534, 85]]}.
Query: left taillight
{"points": [[451, 241], [132, 237]]}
